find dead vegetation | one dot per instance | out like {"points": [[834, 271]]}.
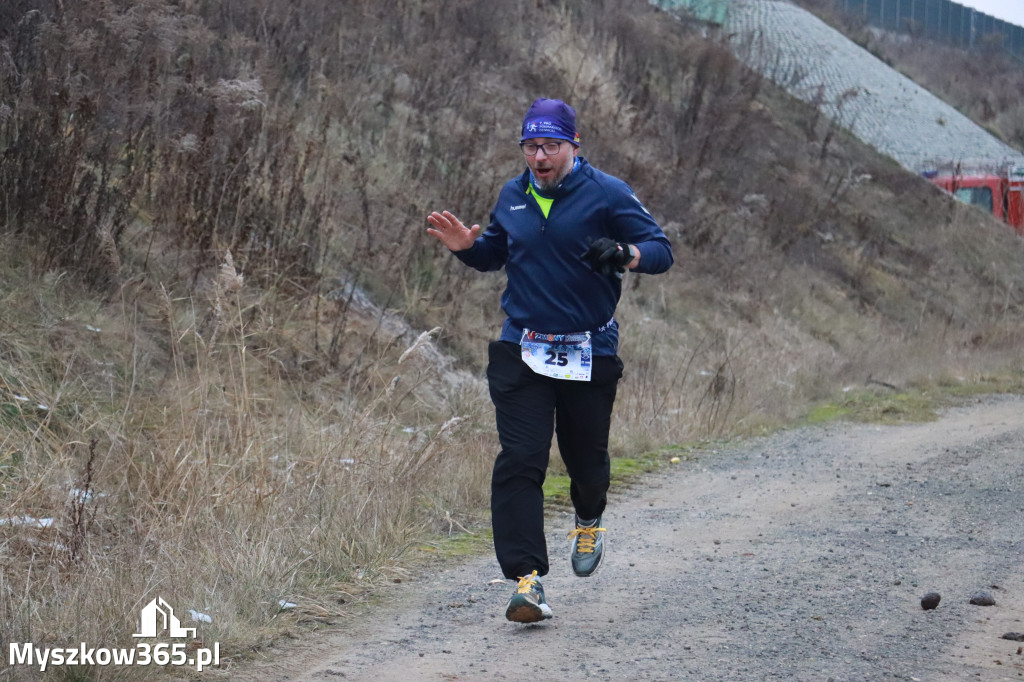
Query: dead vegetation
{"points": [[216, 379]]}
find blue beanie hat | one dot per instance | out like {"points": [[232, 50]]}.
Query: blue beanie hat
{"points": [[550, 118]]}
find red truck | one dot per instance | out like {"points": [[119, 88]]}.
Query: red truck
{"points": [[997, 191]]}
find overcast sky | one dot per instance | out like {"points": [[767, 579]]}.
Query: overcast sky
{"points": [[1007, 10]]}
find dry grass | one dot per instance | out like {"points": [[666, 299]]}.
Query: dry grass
{"points": [[205, 477], [241, 401]]}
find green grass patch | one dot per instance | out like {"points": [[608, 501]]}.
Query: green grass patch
{"points": [[465, 544], [474, 541], [881, 408], [897, 408], [556, 489], [826, 413], [625, 470], [919, 403]]}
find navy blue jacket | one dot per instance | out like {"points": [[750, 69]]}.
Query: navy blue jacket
{"points": [[550, 288]]}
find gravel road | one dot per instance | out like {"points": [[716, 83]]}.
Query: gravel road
{"points": [[799, 556]]}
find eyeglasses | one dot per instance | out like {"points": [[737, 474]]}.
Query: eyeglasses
{"points": [[550, 148]]}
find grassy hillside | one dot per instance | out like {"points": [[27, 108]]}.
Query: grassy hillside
{"points": [[234, 370]]}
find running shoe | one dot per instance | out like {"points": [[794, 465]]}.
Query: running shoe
{"points": [[587, 547], [527, 605]]}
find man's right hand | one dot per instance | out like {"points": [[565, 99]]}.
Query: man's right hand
{"points": [[451, 232]]}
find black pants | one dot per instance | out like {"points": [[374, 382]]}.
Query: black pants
{"points": [[529, 407]]}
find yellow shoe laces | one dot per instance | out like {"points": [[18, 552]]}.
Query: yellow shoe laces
{"points": [[586, 538], [526, 583]]}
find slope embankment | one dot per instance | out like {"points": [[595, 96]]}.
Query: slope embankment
{"points": [[879, 105]]}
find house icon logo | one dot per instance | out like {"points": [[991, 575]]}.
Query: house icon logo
{"points": [[157, 616]]}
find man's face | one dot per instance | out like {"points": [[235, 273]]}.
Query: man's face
{"points": [[549, 169]]}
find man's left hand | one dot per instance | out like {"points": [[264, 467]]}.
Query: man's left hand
{"points": [[608, 256]]}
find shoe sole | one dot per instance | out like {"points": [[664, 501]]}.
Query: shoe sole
{"points": [[527, 613]]}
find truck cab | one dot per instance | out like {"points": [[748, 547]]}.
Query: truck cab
{"points": [[998, 194], [1015, 199]]}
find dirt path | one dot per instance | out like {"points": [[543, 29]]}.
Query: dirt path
{"points": [[801, 556]]}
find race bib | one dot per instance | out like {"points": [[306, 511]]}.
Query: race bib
{"points": [[559, 356]]}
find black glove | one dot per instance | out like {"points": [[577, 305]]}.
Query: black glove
{"points": [[608, 256]]}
